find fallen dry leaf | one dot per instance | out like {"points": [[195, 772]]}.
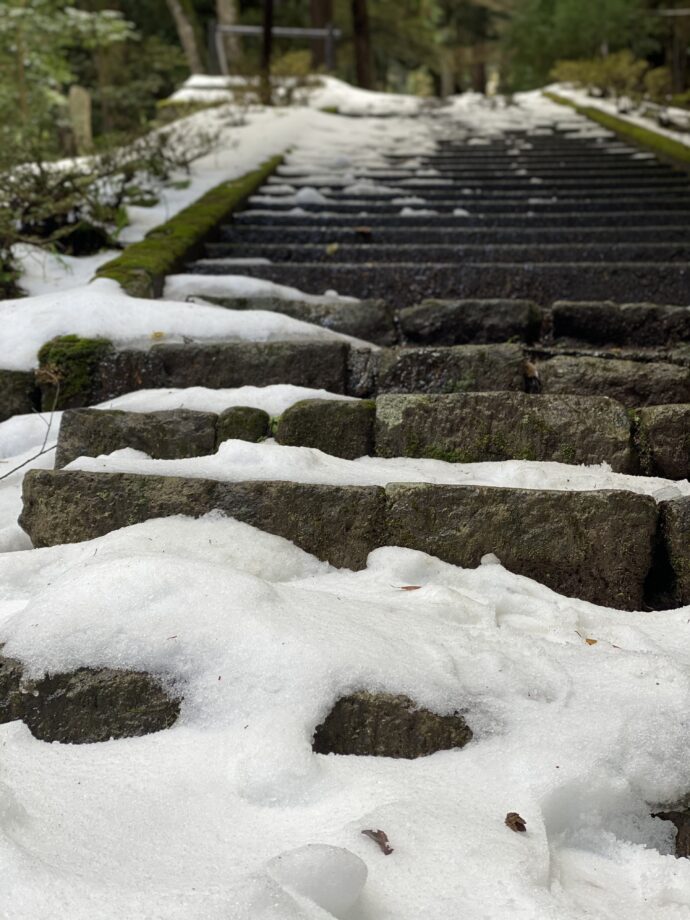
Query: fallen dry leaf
{"points": [[591, 641], [410, 587], [381, 838], [515, 822]]}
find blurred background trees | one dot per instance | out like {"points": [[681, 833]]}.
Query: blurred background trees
{"points": [[130, 54]]}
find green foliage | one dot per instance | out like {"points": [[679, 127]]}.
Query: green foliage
{"points": [[615, 75], [542, 32], [77, 208], [35, 41], [142, 267]]}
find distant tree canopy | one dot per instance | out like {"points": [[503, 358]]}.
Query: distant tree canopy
{"points": [[542, 32], [129, 54]]}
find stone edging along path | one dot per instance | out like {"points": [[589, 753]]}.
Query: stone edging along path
{"points": [[666, 148], [142, 268]]}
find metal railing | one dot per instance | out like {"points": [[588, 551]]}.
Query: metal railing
{"points": [[329, 36]]}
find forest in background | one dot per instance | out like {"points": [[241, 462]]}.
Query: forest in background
{"points": [[130, 54], [91, 76]]}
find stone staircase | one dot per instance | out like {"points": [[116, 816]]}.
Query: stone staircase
{"points": [[519, 301]]}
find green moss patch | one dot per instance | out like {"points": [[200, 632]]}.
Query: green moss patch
{"points": [[66, 367], [664, 147], [142, 267]]}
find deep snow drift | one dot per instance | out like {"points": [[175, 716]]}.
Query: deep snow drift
{"points": [[579, 715]]}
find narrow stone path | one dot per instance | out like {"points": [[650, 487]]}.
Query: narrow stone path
{"points": [[518, 302]]}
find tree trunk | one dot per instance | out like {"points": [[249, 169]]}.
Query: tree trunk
{"points": [[187, 35], [478, 69], [266, 53], [679, 54], [362, 37], [227, 14], [321, 15]]}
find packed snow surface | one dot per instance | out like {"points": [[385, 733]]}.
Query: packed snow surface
{"points": [[229, 815], [101, 309], [240, 460]]}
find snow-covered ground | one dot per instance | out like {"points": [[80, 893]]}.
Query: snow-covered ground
{"points": [[579, 716], [579, 713], [101, 309]]}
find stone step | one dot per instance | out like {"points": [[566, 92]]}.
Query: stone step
{"points": [[310, 363], [404, 284], [508, 188], [538, 204], [410, 253], [87, 705], [598, 546], [627, 324], [481, 427], [561, 220], [491, 368], [507, 173], [457, 427], [317, 234]]}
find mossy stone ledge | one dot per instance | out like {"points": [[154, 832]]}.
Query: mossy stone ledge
{"points": [[67, 367], [664, 147], [142, 268], [242, 423], [337, 427]]}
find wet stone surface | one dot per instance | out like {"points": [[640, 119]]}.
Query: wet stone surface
{"points": [[368, 724]]}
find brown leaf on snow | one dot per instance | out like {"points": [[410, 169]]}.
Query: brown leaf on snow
{"points": [[515, 822], [410, 587], [381, 838], [591, 641]]}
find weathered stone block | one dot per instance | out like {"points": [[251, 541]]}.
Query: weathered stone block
{"points": [[461, 322], [343, 429], [633, 383], [340, 524], [371, 320], [362, 371], [593, 545], [68, 368], [459, 369], [168, 435], [243, 423], [18, 393], [11, 696], [675, 532], [86, 705], [384, 725], [321, 365], [476, 427], [662, 438], [604, 323]]}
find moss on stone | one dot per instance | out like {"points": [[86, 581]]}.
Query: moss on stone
{"points": [[142, 267], [66, 367], [664, 147], [243, 423]]}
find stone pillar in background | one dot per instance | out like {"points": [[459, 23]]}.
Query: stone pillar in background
{"points": [[79, 101]]}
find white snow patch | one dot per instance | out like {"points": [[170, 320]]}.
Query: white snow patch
{"points": [[241, 460], [229, 814]]}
